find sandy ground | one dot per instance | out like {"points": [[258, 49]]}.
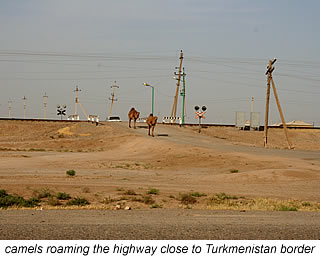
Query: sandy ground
{"points": [[111, 159]]}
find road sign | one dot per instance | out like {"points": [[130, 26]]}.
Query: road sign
{"points": [[61, 110], [200, 114]]}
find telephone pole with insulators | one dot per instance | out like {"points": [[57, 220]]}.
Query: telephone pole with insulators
{"points": [[183, 94], [252, 102], [270, 69], [175, 101], [77, 101], [10, 105], [45, 105], [24, 106]]}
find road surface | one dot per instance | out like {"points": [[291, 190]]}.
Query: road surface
{"points": [[172, 224]]}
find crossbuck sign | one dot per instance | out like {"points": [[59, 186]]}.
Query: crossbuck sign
{"points": [[200, 114]]}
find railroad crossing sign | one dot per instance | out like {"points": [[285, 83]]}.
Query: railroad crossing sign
{"points": [[61, 110], [200, 114]]}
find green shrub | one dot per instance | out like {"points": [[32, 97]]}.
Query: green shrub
{"points": [[63, 196], [153, 191], [130, 192], [44, 193], [286, 208], [223, 196], [108, 200], [148, 200], [154, 206], [53, 202], [3, 193], [198, 194], [234, 171], [187, 198], [7, 200], [71, 172], [78, 201], [30, 203]]}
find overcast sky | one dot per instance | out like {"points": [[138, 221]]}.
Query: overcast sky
{"points": [[50, 46]]}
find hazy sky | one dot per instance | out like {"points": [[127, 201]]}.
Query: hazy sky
{"points": [[53, 45]]}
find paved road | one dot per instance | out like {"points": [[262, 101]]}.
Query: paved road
{"points": [[157, 224]]}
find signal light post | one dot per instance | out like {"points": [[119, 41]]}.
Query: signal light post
{"points": [[200, 114]]}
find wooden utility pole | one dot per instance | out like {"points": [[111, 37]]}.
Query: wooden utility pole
{"points": [[175, 102], [24, 107], [114, 86], [77, 100], [252, 102], [10, 104], [45, 105], [270, 69]]}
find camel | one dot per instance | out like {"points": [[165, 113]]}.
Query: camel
{"points": [[133, 115], [151, 121]]}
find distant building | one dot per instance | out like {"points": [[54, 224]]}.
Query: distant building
{"points": [[295, 123]]}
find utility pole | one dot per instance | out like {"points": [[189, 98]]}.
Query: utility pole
{"points": [[174, 107], [183, 94], [252, 102], [270, 69], [24, 107], [10, 104], [45, 105], [76, 100], [114, 86]]}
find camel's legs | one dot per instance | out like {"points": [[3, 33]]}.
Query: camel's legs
{"points": [[129, 122]]}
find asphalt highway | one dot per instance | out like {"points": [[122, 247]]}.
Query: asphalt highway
{"points": [[168, 224]]}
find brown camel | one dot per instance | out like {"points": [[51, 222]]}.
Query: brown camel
{"points": [[151, 121], [133, 115]]}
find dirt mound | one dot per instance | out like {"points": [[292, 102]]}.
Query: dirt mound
{"points": [[302, 139], [57, 136]]}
